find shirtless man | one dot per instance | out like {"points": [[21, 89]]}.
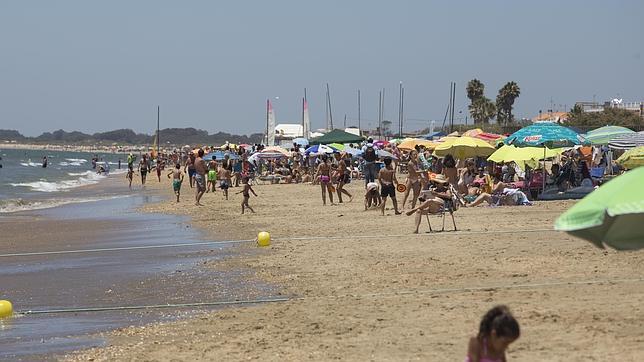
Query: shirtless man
{"points": [[224, 176], [388, 183], [212, 174], [200, 176]]}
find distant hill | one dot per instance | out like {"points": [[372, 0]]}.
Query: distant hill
{"points": [[173, 136]]}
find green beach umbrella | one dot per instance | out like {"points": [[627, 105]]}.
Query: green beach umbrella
{"points": [[612, 215], [632, 158], [337, 146], [603, 135]]}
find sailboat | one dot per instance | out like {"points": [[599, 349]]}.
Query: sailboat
{"points": [[306, 121], [270, 124]]}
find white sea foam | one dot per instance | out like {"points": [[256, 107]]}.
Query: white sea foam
{"points": [[16, 205], [31, 164], [65, 163], [88, 178], [76, 160]]}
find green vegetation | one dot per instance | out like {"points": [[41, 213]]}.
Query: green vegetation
{"points": [[482, 109], [504, 102], [609, 117], [173, 136]]}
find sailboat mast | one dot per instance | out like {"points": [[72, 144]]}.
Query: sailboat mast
{"points": [[158, 133], [359, 126], [380, 114], [328, 97], [267, 109]]}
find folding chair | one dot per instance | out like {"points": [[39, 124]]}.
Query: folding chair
{"points": [[450, 207]]}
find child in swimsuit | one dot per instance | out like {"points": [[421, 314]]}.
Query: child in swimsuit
{"points": [[246, 191], [177, 179], [497, 331]]}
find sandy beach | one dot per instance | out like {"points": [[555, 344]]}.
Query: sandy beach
{"points": [[362, 286]]}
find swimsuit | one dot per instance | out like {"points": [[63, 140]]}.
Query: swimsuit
{"points": [[212, 175], [224, 185], [325, 179], [388, 190], [176, 185], [201, 181]]}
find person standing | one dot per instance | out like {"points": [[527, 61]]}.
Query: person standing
{"points": [[200, 176], [370, 168], [388, 183], [144, 167]]}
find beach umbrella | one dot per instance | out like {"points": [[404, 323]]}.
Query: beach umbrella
{"points": [[272, 152], [632, 158], [464, 147], [354, 152], [603, 135], [301, 141], [545, 135], [411, 143], [473, 132], [522, 155], [627, 141], [320, 149], [380, 143], [395, 140], [611, 215], [491, 138], [337, 146], [220, 155], [385, 154]]}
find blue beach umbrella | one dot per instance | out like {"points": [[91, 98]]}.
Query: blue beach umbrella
{"points": [[546, 135], [319, 149], [603, 135]]}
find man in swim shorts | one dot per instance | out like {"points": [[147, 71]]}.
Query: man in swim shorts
{"points": [[212, 174], [200, 177], [224, 176]]}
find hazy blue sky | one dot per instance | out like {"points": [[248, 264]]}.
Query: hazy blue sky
{"points": [[96, 66]]}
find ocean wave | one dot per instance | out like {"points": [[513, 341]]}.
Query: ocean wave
{"points": [[76, 160], [64, 163], [88, 178], [16, 205], [31, 164]]}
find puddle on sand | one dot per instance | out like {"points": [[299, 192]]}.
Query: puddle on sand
{"points": [[137, 277]]}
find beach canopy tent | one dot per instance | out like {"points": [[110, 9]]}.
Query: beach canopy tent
{"points": [[627, 141], [632, 158], [220, 155], [463, 147], [603, 135], [611, 215], [523, 155], [336, 136], [411, 143]]}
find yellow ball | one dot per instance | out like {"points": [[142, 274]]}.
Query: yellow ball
{"points": [[6, 309], [264, 239]]}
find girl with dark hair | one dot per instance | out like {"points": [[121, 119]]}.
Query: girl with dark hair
{"points": [[449, 170], [324, 175], [498, 329]]}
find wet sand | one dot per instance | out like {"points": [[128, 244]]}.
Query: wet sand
{"points": [[364, 287], [104, 279]]}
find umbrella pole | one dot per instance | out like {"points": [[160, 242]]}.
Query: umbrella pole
{"points": [[544, 169]]}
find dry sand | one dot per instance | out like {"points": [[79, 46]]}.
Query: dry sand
{"points": [[397, 296]]}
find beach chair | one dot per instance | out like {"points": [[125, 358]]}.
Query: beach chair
{"points": [[450, 207]]}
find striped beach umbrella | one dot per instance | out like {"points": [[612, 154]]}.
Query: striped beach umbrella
{"points": [[627, 141], [603, 135]]}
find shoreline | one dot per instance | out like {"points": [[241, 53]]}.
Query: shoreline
{"points": [[357, 298]]}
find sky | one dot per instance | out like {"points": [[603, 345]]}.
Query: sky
{"points": [[97, 66]]}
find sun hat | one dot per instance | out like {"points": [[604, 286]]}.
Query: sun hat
{"points": [[440, 178]]}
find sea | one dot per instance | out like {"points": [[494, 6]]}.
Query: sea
{"points": [[26, 185], [88, 211]]}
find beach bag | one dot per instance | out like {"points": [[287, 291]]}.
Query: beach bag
{"points": [[370, 154]]}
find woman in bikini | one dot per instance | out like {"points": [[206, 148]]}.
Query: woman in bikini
{"points": [[413, 179], [324, 175]]}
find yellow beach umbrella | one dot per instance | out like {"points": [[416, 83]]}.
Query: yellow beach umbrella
{"points": [[510, 153], [632, 158], [411, 143], [473, 132], [464, 147]]}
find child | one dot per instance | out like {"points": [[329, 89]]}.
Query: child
{"points": [[224, 184], [246, 192], [497, 330], [177, 179], [388, 183], [372, 196], [212, 175], [129, 176]]}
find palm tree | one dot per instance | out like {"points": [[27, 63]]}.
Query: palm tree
{"points": [[505, 100], [475, 89], [482, 110]]}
